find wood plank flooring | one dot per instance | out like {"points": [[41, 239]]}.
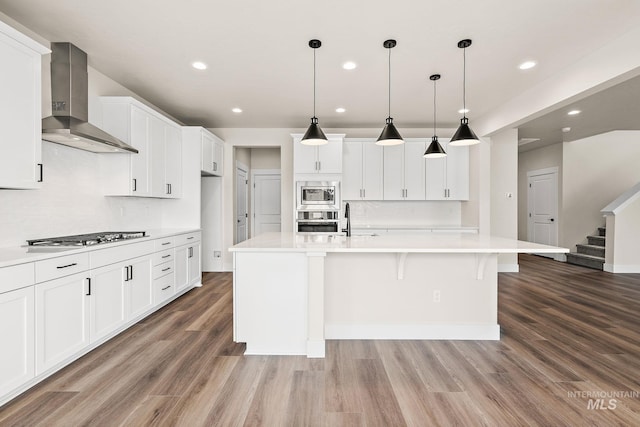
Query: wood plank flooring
{"points": [[570, 335]]}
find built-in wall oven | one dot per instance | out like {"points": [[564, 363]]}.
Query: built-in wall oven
{"points": [[318, 207]]}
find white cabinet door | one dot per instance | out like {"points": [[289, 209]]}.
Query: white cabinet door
{"points": [[182, 268], [108, 311], [362, 172], [330, 157], [394, 172], [218, 158], [372, 171], [352, 171], [447, 178], [195, 270], [157, 158], [414, 170], [140, 174], [17, 357], [458, 173], [305, 158], [20, 110], [62, 319], [404, 171], [138, 287], [207, 152], [173, 161]]}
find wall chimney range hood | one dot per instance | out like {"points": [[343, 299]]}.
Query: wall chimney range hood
{"points": [[68, 124]]}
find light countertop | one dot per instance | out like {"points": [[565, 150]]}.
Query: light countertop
{"points": [[22, 254], [391, 243]]}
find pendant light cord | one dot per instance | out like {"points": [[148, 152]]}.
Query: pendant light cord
{"points": [[464, 82], [314, 83], [389, 82], [434, 108]]}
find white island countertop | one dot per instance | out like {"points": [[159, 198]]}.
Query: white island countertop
{"points": [[418, 243]]}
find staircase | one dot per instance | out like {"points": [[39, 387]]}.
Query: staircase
{"points": [[592, 254]]}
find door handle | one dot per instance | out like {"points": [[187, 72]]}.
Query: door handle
{"points": [[551, 219]]}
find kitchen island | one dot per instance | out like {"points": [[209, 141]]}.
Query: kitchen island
{"points": [[292, 292]]}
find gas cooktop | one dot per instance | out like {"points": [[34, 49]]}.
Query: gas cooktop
{"points": [[87, 239]]}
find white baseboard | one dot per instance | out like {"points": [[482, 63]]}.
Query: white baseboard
{"points": [[508, 268], [621, 268], [412, 332]]}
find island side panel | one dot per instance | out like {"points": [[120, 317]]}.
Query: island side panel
{"points": [[365, 299], [270, 302]]}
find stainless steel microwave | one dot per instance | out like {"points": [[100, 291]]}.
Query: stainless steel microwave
{"points": [[318, 195]]}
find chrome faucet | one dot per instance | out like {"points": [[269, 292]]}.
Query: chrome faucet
{"points": [[347, 214]]}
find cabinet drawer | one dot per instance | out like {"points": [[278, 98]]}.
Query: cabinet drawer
{"points": [[164, 244], [16, 277], [162, 257], [61, 266], [163, 288], [102, 257], [163, 269], [185, 239]]}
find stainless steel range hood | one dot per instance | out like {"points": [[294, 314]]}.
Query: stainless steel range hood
{"points": [[69, 123]]}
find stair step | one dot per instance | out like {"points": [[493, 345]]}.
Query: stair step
{"points": [[590, 261], [602, 231], [594, 250], [596, 240]]}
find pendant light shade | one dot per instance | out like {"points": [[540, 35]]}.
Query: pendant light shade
{"points": [[435, 150], [389, 135], [314, 135], [464, 135]]}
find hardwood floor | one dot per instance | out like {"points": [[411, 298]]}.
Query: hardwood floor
{"points": [[570, 336]]}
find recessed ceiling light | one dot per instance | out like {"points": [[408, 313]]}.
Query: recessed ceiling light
{"points": [[574, 112], [527, 65], [463, 110], [349, 65], [567, 129], [199, 65], [236, 110], [340, 110]]}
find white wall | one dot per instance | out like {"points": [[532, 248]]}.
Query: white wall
{"points": [[595, 171], [504, 192], [265, 158]]}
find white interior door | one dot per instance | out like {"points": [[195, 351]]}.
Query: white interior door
{"points": [[543, 207], [241, 204], [266, 203]]}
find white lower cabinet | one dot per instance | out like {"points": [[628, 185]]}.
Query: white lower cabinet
{"points": [[17, 330], [62, 319], [119, 292], [188, 266], [107, 291]]}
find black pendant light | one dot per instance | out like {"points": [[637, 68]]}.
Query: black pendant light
{"points": [[314, 135], [435, 150], [464, 135], [389, 135]]}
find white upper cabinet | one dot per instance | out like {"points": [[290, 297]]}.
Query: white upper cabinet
{"points": [[447, 178], [362, 177], [20, 110], [212, 150], [404, 171], [156, 170], [314, 159]]}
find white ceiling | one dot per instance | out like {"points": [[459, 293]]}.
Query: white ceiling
{"points": [[259, 58]]}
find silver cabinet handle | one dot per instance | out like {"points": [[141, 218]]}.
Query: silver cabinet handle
{"points": [[166, 269], [166, 256], [166, 243], [41, 173], [135, 184], [126, 273], [88, 286], [190, 238], [165, 288]]}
